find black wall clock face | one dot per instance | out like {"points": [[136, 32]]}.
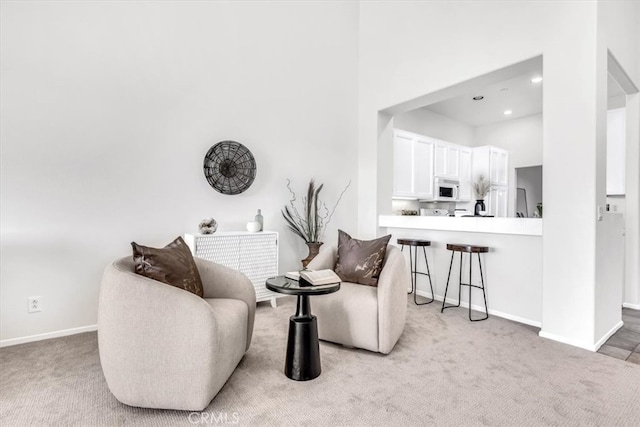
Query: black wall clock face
{"points": [[229, 167]]}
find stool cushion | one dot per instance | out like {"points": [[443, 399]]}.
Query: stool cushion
{"points": [[463, 247], [414, 242]]}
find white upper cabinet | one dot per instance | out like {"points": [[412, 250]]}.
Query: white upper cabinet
{"points": [[446, 160], [423, 168], [498, 166], [440, 159], [466, 183], [493, 163], [412, 166], [453, 161], [402, 161], [418, 160]]}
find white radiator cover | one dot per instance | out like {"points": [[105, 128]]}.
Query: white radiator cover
{"points": [[253, 254]]}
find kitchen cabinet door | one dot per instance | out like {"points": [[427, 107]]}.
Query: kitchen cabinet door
{"points": [[402, 164], [440, 162], [498, 167], [423, 168], [446, 163], [466, 188], [453, 161], [497, 201]]}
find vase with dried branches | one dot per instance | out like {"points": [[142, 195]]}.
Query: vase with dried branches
{"points": [[310, 221], [481, 187]]}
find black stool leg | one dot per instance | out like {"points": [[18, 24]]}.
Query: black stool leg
{"points": [[470, 282], [413, 263], [460, 282], [415, 277], [426, 261], [444, 299], [483, 294]]}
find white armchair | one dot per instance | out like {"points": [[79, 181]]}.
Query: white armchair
{"points": [[163, 347], [367, 317]]}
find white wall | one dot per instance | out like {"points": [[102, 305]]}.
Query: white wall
{"points": [[403, 56], [428, 123], [616, 141], [609, 276], [522, 138], [618, 37], [108, 109]]}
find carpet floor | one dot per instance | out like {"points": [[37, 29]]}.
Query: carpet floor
{"points": [[443, 371]]}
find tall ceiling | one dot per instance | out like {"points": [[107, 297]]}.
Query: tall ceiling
{"points": [[518, 94]]}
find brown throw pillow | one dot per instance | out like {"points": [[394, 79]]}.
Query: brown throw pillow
{"points": [[172, 265], [360, 261]]}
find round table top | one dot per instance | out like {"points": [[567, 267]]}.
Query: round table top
{"points": [[288, 286]]}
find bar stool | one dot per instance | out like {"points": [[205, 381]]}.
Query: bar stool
{"points": [[470, 249], [413, 260]]}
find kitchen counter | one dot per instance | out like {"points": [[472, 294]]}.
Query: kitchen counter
{"points": [[518, 226], [512, 267]]}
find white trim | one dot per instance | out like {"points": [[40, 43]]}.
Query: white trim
{"points": [[564, 340], [620, 75], [608, 335], [629, 305], [481, 309], [48, 335]]}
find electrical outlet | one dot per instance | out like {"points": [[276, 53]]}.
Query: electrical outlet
{"points": [[35, 304]]}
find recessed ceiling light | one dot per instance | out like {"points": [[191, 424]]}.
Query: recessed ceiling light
{"points": [[478, 98], [504, 89], [507, 112], [536, 80]]}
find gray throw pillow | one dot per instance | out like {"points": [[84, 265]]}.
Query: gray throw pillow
{"points": [[360, 261], [173, 265]]}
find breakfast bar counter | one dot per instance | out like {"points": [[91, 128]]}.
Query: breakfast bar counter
{"points": [[519, 226], [512, 267]]}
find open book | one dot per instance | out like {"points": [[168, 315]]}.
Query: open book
{"points": [[315, 278]]}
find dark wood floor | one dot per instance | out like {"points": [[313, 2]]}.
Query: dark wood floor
{"points": [[625, 344]]}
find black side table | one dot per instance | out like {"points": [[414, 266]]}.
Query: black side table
{"points": [[303, 349]]}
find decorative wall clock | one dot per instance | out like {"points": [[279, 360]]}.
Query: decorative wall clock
{"points": [[229, 167]]}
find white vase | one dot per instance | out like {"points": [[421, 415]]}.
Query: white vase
{"points": [[253, 226]]}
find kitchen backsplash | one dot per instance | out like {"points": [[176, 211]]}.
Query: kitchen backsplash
{"points": [[398, 206]]}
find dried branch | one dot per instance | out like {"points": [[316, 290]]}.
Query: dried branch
{"points": [[310, 226], [481, 187]]}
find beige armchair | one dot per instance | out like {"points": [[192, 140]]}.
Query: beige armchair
{"points": [[367, 317], [163, 347]]}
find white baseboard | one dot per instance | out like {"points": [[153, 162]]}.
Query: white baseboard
{"points": [[564, 340], [48, 335], [481, 309], [608, 335], [629, 305]]}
